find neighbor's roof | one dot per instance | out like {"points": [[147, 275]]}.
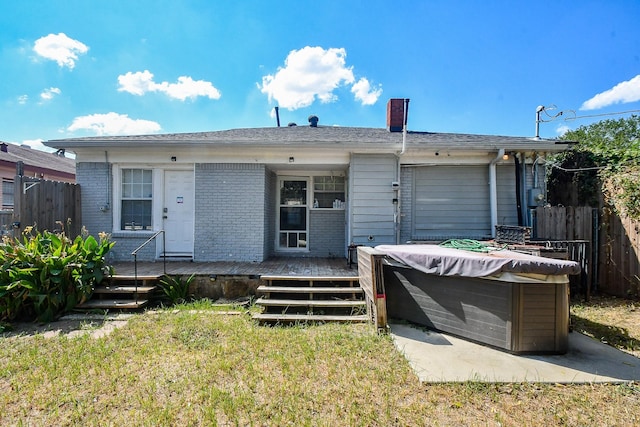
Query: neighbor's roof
{"points": [[37, 158], [321, 136]]}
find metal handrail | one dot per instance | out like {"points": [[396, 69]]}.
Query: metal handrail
{"points": [[135, 258]]}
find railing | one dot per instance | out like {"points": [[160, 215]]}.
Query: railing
{"points": [[135, 258]]}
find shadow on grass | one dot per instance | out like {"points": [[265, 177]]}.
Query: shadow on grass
{"points": [[614, 336]]}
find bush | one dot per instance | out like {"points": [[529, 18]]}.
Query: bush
{"points": [[45, 274], [175, 289]]}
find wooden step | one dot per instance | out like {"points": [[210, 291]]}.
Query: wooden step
{"points": [[116, 304], [308, 303], [275, 317], [124, 289], [310, 289], [312, 278]]}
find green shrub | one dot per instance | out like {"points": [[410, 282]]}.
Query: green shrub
{"points": [[45, 274], [175, 289]]}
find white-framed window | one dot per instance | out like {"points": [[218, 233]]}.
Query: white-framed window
{"points": [[136, 196], [7, 193], [329, 192]]}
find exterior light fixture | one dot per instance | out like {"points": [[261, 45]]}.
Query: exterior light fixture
{"points": [[291, 159], [174, 158], [505, 156]]}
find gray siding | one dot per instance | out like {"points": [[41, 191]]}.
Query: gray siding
{"points": [[371, 199], [451, 202], [406, 204], [506, 186], [230, 212]]}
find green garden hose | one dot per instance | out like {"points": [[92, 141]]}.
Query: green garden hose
{"points": [[469, 245]]}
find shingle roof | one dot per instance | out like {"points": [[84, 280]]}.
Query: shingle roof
{"points": [[321, 136], [37, 158]]}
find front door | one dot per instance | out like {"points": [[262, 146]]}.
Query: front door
{"points": [[293, 215], [177, 213]]}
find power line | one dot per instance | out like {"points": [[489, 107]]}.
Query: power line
{"points": [[599, 115]]}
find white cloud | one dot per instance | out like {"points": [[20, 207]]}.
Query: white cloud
{"points": [[313, 73], [49, 93], [365, 93], [113, 124], [622, 93], [60, 48], [37, 144], [141, 82], [23, 99], [562, 129]]}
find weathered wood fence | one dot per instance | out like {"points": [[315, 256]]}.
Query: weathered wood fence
{"points": [[611, 245], [46, 205]]}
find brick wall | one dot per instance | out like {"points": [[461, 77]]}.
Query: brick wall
{"points": [[326, 233], [230, 212], [96, 185]]}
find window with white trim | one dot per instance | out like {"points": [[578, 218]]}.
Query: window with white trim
{"points": [[7, 194], [328, 192], [137, 199]]}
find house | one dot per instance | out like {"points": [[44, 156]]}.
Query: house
{"points": [[34, 163], [251, 194]]}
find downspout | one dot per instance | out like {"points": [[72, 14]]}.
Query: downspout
{"points": [[493, 191], [396, 215]]}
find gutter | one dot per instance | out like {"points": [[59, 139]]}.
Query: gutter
{"points": [[493, 191], [396, 185]]}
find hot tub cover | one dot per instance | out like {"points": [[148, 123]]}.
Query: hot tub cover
{"points": [[434, 259]]}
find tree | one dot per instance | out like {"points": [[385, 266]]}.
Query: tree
{"points": [[606, 159]]}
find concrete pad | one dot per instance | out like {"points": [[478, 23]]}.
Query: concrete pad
{"points": [[436, 357]]}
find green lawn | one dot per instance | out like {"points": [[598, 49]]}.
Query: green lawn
{"points": [[195, 367]]}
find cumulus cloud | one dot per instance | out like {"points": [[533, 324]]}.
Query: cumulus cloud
{"points": [[49, 93], [622, 93], [365, 93], [60, 48], [113, 124], [37, 144], [23, 99], [314, 73], [141, 82]]}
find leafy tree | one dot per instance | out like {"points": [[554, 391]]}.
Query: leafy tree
{"points": [[606, 157]]}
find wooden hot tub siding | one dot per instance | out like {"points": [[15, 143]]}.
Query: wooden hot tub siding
{"points": [[516, 317]]}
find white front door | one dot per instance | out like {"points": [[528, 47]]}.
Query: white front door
{"points": [[178, 212]]}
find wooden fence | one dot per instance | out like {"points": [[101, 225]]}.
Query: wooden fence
{"points": [[612, 254], [47, 205]]}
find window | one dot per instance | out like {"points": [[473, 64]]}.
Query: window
{"points": [[137, 198], [328, 192], [7, 194]]}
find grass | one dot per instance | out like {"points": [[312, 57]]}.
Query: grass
{"points": [[188, 365]]}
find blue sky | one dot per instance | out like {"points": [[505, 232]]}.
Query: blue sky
{"points": [[82, 68]]}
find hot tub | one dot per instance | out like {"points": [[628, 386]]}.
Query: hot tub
{"points": [[509, 300]]}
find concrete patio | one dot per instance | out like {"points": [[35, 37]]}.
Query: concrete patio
{"points": [[438, 358]]}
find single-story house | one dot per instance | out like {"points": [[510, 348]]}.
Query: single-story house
{"points": [[251, 194]]}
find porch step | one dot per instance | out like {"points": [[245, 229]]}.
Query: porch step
{"points": [[308, 290], [267, 317], [266, 302], [122, 292], [287, 299]]}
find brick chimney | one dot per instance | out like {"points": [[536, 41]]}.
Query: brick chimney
{"points": [[395, 114]]}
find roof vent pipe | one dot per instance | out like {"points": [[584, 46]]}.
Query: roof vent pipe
{"points": [[277, 115], [313, 121]]}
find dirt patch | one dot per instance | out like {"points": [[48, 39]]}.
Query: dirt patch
{"points": [[71, 325]]}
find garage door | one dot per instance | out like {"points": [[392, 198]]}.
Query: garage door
{"points": [[451, 202]]}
